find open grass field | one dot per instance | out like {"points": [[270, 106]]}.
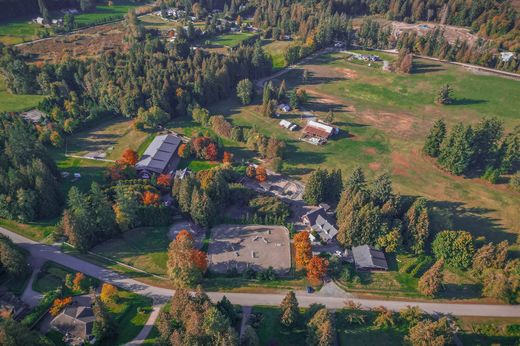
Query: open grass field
{"points": [[16, 31], [367, 334], [488, 331], [276, 49], [229, 39], [143, 248], [104, 12], [384, 118], [16, 103], [35, 230]]}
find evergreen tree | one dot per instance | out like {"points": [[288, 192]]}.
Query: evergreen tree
{"points": [[444, 96], [381, 190], [104, 215], [245, 91], [282, 91], [455, 248], [457, 150], [316, 187], [510, 152], [12, 259], [356, 182], [202, 209], [486, 137], [432, 145], [290, 311]]}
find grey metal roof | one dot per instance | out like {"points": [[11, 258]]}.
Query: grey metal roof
{"points": [[159, 153], [367, 257], [76, 319], [321, 223]]}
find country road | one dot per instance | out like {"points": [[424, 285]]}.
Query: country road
{"points": [[161, 295]]}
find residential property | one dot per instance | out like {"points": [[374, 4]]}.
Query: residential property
{"points": [[11, 305], [160, 157], [322, 223], [285, 124], [367, 258], [506, 56], [76, 321]]}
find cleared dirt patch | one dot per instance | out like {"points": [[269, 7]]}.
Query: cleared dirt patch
{"points": [[370, 151], [86, 43], [257, 247], [401, 124], [375, 166], [400, 164], [347, 73]]}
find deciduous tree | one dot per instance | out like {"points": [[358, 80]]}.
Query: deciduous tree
{"points": [[303, 249], [108, 293], [316, 269], [129, 157], [290, 311], [455, 248]]}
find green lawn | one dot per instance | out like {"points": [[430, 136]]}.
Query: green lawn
{"points": [[14, 31], [16, 103], [367, 334], [131, 311], [271, 332], [52, 276], [488, 331], [144, 248], [229, 284], [229, 39], [277, 51]]}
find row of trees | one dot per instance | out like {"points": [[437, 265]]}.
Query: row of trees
{"points": [[323, 186], [12, 259], [468, 149], [372, 214], [192, 319], [500, 277], [28, 175]]}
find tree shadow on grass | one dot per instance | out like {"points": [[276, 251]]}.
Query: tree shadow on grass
{"points": [[462, 291], [466, 102], [473, 220], [421, 68]]}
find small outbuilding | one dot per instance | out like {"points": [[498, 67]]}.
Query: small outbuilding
{"points": [[368, 258], [319, 130]]}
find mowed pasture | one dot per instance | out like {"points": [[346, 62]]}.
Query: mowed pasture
{"points": [[384, 118], [229, 39]]}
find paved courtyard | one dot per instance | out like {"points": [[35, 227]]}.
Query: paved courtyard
{"points": [[257, 247]]}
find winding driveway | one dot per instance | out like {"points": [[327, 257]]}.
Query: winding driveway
{"points": [[42, 252]]}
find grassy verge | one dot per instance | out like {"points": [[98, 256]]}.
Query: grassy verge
{"points": [[221, 283], [35, 230], [488, 331], [52, 276]]}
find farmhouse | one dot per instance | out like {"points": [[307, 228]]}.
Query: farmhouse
{"points": [[76, 321], [319, 221], [367, 258], [319, 130], [160, 157]]}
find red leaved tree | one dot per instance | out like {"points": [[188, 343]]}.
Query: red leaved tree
{"points": [[316, 269]]}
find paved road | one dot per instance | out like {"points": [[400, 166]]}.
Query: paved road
{"points": [[161, 295]]}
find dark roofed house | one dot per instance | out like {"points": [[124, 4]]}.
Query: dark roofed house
{"points": [[368, 258], [318, 220], [76, 321], [160, 157]]}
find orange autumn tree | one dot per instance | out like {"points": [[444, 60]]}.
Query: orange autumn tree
{"points": [[250, 171], [261, 174], [182, 151], [108, 293], [129, 157], [77, 283], [151, 198], [200, 259], [59, 304], [302, 245], [316, 269], [186, 265], [164, 180], [227, 157]]}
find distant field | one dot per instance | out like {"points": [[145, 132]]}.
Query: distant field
{"points": [[16, 103], [230, 39], [16, 31], [384, 118], [105, 12]]}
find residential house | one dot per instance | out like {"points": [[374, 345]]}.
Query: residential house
{"points": [[368, 258], [160, 157], [319, 221], [76, 321]]}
